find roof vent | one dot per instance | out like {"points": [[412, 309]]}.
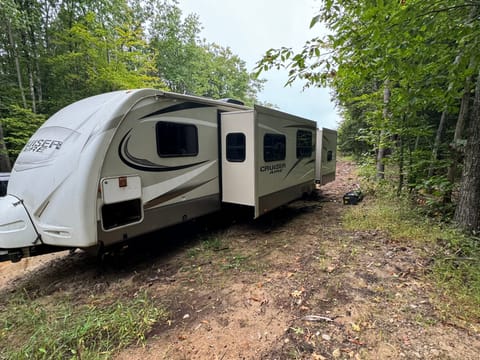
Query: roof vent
{"points": [[233, 101]]}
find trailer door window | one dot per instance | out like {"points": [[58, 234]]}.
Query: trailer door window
{"points": [[274, 146], [304, 144], [174, 139], [329, 155], [236, 147]]}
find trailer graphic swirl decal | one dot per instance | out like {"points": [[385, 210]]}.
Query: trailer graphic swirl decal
{"points": [[144, 164]]}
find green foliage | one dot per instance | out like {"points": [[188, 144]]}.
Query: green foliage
{"points": [[396, 69], [19, 126], [455, 262], [33, 330], [457, 272]]}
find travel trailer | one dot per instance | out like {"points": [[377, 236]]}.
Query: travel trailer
{"points": [[121, 164]]}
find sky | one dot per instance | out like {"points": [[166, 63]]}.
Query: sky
{"points": [[250, 28]]}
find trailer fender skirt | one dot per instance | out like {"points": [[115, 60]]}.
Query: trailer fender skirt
{"points": [[16, 227]]}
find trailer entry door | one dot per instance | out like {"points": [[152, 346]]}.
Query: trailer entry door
{"points": [[238, 157]]}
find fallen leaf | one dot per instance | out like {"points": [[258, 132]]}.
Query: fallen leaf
{"points": [[296, 293], [355, 327]]}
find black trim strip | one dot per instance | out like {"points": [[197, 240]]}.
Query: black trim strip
{"points": [[307, 127], [144, 164], [177, 107]]}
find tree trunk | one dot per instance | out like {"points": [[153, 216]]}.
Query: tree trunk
{"points": [[17, 65], [459, 127], [380, 156], [401, 163], [32, 90], [381, 145], [5, 165], [467, 213], [436, 144]]}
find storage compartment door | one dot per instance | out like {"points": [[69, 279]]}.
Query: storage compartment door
{"points": [[122, 201], [238, 160]]}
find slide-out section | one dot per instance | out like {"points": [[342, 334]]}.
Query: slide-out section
{"points": [[326, 156], [268, 158]]}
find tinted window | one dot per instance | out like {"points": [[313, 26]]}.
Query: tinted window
{"points": [[329, 155], [304, 144], [236, 147], [274, 146], [175, 139], [3, 188]]}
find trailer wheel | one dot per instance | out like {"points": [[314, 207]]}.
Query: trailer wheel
{"points": [[16, 256]]}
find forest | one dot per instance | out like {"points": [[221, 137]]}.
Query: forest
{"points": [[55, 52], [406, 76]]}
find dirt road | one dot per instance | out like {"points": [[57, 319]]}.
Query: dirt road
{"points": [[293, 285]]}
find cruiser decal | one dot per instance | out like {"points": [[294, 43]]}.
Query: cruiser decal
{"points": [[273, 169], [144, 164]]}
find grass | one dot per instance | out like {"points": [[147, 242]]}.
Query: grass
{"points": [[207, 247], [455, 269], [33, 329]]}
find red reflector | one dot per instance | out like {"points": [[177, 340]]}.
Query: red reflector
{"points": [[122, 181]]}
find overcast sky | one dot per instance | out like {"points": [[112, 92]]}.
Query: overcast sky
{"points": [[250, 28]]}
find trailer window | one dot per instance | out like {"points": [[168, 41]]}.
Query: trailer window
{"points": [[304, 144], [174, 139], [329, 155], [236, 147], [274, 146]]}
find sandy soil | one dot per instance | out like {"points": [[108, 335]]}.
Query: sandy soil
{"points": [[292, 285]]}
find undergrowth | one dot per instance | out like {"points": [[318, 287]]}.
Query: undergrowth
{"points": [[455, 257], [33, 329]]}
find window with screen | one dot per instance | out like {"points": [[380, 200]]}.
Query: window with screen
{"points": [[304, 144], [274, 147], [235, 147], [174, 139]]}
